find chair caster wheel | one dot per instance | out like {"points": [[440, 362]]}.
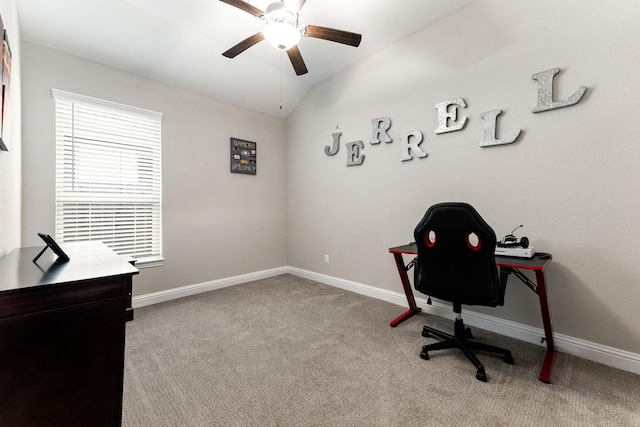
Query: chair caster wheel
{"points": [[425, 333], [468, 333], [424, 355], [480, 375], [508, 358]]}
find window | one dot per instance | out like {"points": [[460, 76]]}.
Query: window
{"points": [[108, 180]]}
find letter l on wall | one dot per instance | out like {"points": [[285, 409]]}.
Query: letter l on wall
{"points": [[545, 92]]}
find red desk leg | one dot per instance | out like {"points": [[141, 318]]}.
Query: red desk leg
{"points": [[413, 308], [545, 372]]}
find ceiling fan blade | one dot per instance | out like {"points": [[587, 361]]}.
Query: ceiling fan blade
{"points": [[338, 36], [297, 61], [243, 45], [244, 6]]}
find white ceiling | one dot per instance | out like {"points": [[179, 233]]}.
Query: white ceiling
{"points": [[180, 42]]}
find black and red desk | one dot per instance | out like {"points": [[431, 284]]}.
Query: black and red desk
{"points": [[537, 264]]}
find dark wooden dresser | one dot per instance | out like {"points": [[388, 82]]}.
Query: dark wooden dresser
{"points": [[62, 336]]}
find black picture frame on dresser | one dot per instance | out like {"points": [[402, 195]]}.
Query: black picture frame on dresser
{"points": [[62, 256]]}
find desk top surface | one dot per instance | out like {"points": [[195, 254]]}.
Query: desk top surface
{"points": [[88, 260], [539, 261]]}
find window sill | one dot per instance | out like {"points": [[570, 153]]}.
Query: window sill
{"points": [[158, 262]]}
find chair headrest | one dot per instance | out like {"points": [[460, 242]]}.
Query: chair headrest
{"points": [[456, 260]]}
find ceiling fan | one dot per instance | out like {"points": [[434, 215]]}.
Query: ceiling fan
{"points": [[282, 31]]}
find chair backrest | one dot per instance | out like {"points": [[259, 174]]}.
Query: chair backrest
{"points": [[456, 259]]}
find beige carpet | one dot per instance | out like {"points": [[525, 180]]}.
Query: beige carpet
{"points": [[286, 351]]}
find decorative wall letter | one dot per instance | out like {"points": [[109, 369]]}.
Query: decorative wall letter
{"points": [[545, 92], [445, 113], [490, 118], [380, 127], [331, 151], [354, 158], [405, 139]]}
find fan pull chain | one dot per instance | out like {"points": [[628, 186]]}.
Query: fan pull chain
{"points": [[281, 82]]}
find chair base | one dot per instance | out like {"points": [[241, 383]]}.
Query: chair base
{"points": [[463, 340]]}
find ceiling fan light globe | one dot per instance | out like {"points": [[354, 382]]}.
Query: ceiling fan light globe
{"points": [[281, 35]]}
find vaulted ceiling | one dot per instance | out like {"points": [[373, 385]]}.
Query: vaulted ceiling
{"points": [[180, 42]]}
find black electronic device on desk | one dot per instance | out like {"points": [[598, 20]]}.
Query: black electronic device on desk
{"points": [[511, 246], [62, 257]]}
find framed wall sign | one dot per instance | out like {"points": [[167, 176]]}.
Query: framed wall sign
{"points": [[243, 156]]}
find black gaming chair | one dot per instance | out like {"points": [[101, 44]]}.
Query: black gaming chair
{"points": [[456, 263]]}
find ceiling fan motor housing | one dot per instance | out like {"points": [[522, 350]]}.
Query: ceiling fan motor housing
{"points": [[277, 12]]}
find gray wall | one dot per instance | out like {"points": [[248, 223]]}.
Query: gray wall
{"points": [[572, 178], [215, 224]]}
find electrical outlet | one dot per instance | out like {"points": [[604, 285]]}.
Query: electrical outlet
{"points": [[326, 259]]}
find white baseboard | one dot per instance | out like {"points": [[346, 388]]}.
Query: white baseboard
{"points": [[599, 353], [183, 291]]}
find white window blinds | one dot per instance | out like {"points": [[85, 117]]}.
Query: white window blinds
{"points": [[108, 178]]}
